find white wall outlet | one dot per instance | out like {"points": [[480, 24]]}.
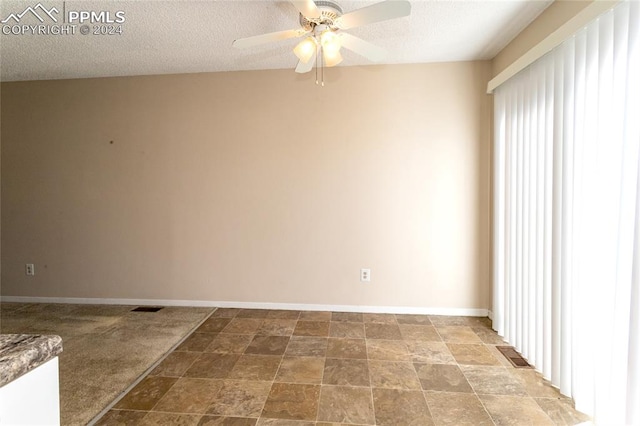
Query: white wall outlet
{"points": [[29, 269], [365, 275]]}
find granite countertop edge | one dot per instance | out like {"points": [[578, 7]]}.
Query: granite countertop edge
{"points": [[21, 353]]}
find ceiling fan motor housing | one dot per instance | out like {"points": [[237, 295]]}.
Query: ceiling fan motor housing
{"points": [[329, 12]]}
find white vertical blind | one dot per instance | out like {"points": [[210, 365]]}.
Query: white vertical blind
{"points": [[567, 215]]}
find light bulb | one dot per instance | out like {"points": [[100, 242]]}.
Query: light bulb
{"points": [[305, 49], [331, 58]]}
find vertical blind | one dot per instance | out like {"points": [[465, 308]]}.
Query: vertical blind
{"points": [[567, 215]]}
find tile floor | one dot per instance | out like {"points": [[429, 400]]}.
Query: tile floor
{"points": [[90, 376], [268, 367]]}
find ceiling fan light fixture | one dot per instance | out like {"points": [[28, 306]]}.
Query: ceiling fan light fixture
{"points": [[330, 42], [305, 49], [321, 23], [331, 58]]}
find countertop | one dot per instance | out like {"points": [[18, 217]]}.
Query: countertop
{"points": [[21, 353]]}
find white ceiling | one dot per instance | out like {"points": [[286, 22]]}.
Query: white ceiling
{"points": [[166, 37]]}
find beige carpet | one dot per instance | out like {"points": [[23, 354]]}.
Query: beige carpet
{"points": [[106, 347]]}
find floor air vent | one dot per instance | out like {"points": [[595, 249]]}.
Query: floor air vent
{"points": [[513, 356], [147, 309]]}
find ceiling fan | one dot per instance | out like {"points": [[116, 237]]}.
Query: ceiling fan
{"points": [[322, 22]]}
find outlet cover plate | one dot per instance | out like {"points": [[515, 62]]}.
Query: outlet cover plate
{"points": [[29, 269]]}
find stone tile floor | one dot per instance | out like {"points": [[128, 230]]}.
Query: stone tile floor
{"points": [[269, 367], [105, 347]]}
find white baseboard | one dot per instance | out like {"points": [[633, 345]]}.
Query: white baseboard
{"points": [[467, 312]]}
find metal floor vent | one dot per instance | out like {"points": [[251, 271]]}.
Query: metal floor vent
{"points": [[147, 309], [513, 356]]}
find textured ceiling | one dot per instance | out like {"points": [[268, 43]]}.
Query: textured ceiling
{"points": [[166, 37]]}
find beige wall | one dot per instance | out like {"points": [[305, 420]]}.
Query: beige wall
{"points": [[251, 187]]}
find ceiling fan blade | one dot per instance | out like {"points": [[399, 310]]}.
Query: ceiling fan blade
{"points": [[308, 8], [303, 68], [242, 43], [383, 11], [362, 48]]}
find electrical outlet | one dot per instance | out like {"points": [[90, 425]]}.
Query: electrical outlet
{"points": [[365, 275], [29, 269]]}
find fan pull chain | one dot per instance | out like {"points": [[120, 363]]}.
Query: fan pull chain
{"points": [[322, 69], [320, 64]]}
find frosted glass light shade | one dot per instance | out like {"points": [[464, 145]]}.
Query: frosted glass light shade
{"points": [[330, 42], [305, 49], [331, 58]]}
